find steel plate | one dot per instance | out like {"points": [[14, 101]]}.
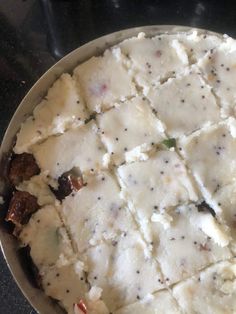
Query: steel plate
{"points": [[9, 244]]}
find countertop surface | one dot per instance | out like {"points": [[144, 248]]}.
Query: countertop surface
{"points": [[35, 34]]}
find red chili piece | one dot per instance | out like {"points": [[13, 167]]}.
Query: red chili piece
{"points": [[66, 184], [22, 205], [81, 306]]}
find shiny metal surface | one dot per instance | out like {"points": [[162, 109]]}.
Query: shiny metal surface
{"points": [[9, 245]]}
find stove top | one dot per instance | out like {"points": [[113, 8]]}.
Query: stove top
{"points": [[35, 34]]}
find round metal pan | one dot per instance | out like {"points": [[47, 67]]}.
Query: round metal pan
{"points": [[9, 245]]}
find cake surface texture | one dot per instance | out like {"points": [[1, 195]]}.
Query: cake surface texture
{"points": [[125, 179]]}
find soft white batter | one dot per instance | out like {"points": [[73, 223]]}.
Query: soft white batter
{"points": [[159, 303], [122, 268], [128, 125], [153, 59], [211, 291], [219, 68], [156, 184], [104, 80], [145, 126], [183, 248], [185, 104], [96, 212], [210, 154], [61, 109], [80, 147]]}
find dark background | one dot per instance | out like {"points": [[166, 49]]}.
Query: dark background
{"points": [[35, 34]]}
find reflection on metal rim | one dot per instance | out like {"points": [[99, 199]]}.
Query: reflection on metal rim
{"points": [[37, 298]]}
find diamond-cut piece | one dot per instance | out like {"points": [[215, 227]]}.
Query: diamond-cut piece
{"points": [[123, 269], [96, 212], [154, 59], [184, 104], [62, 109], [219, 68], [128, 125], [211, 154], [80, 147], [103, 81], [160, 182], [182, 248]]}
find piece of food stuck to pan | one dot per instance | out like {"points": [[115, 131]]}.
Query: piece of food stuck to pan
{"points": [[124, 180]]}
